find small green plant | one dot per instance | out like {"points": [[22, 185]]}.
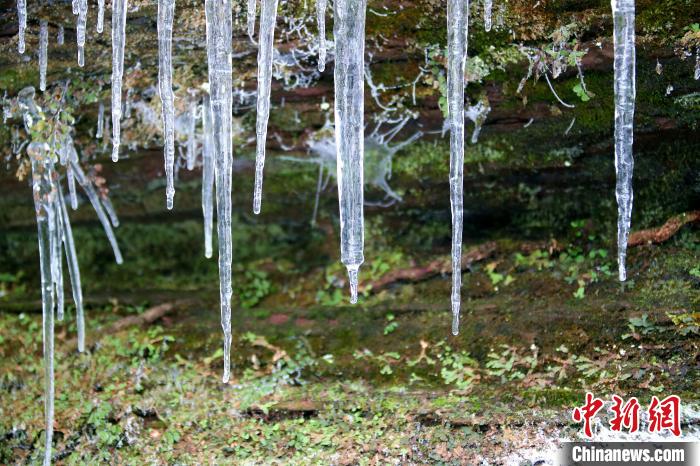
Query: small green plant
{"points": [[254, 288], [391, 324]]}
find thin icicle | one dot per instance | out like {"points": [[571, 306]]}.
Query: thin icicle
{"points": [[488, 5], [82, 25], [22, 20], [100, 120], [166, 12], [697, 63], [457, 33], [99, 210], [100, 16], [61, 35], [268, 18], [252, 6], [321, 22], [623, 18], [44, 204], [57, 258], [319, 184], [191, 138], [349, 33], [43, 56], [73, 270], [109, 208], [207, 177], [219, 52], [71, 188], [119, 8]]}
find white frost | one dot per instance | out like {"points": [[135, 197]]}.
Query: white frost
{"points": [[268, 17], [623, 19], [349, 33]]}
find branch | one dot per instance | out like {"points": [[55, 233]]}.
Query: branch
{"points": [[664, 232]]}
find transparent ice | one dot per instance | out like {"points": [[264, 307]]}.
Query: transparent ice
{"points": [[166, 12], [119, 8], [43, 58]]}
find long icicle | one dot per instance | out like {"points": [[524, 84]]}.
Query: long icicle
{"points": [[321, 23], [119, 8], [623, 18], [73, 270], [57, 256], [100, 16], [268, 18], [349, 33], [252, 5], [166, 12], [219, 52], [457, 33], [82, 26], [43, 193], [99, 210], [22, 20], [207, 177], [43, 58]]}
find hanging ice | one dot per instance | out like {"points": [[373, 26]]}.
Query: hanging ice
{"points": [[623, 19], [61, 35], [697, 63], [477, 114], [457, 33], [43, 59], [219, 53], [207, 176], [100, 120], [488, 5], [349, 33], [22, 20], [109, 208], [100, 15], [44, 204], [99, 209], [71, 188], [119, 8], [191, 141], [321, 22], [82, 25], [268, 18], [166, 12], [252, 5]]}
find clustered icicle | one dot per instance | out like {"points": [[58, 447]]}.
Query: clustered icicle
{"points": [[623, 36], [457, 33]]}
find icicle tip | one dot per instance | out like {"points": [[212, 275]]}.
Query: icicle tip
{"points": [[352, 275]]}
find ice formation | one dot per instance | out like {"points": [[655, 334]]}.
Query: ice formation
{"points": [[623, 19], [191, 137], [457, 33], [219, 52], [22, 20], [252, 5], [119, 8], [207, 176], [321, 22], [268, 18], [697, 63], [100, 15], [61, 35], [43, 59], [488, 6], [100, 120], [82, 25], [349, 33], [166, 12], [477, 114]]}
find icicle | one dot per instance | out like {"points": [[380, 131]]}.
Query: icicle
{"points": [[697, 63], [100, 120], [82, 24], [71, 188], [623, 19], [22, 20], [43, 58], [321, 22], [488, 4], [73, 270], [109, 208], [100, 15], [207, 176], [61, 35], [191, 141], [252, 5], [44, 194], [268, 17], [76, 8], [349, 33], [99, 210], [119, 8], [669, 89], [219, 53], [105, 132], [319, 184], [457, 33], [166, 12], [57, 257], [659, 68]]}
